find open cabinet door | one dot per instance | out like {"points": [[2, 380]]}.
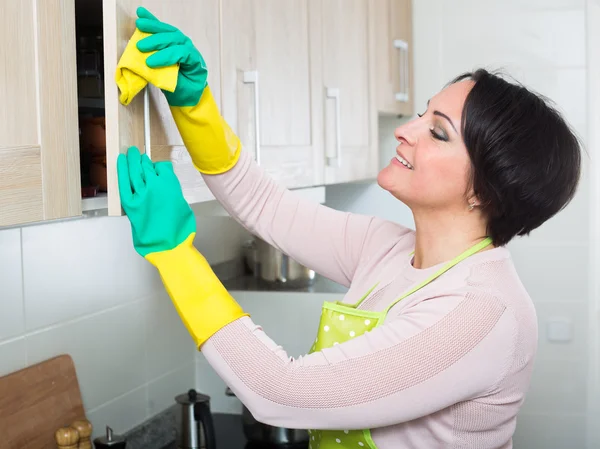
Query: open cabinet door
{"points": [[39, 145], [198, 19]]}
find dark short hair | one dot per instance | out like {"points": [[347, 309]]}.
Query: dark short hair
{"points": [[525, 158]]}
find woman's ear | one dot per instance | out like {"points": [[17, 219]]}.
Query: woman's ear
{"points": [[473, 201]]}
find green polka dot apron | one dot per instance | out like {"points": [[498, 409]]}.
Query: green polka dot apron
{"points": [[342, 322]]}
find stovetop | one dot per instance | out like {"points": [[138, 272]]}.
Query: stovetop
{"points": [[229, 434]]}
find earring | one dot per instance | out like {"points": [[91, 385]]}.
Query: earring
{"points": [[471, 206]]}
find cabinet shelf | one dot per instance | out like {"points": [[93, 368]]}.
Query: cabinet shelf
{"points": [[98, 202], [91, 103]]}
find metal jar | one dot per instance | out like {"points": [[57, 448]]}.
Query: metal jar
{"points": [[271, 265]]}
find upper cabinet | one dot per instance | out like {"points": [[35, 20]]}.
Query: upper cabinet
{"points": [[300, 81], [394, 57], [344, 61], [39, 147], [148, 116], [269, 89]]}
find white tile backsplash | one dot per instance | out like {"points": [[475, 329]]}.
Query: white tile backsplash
{"points": [[169, 345], [12, 318], [108, 350], [162, 391], [13, 355], [290, 319], [87, 293], [76, 267], [121, 414]]}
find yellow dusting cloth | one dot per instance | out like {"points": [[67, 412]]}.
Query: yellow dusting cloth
{"points": [[133, 74]]}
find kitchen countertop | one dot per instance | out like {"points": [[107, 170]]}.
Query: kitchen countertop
{"points": [[159, 433], [254, 284]]}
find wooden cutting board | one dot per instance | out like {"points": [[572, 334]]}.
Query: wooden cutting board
{"points": [[36, 401]]}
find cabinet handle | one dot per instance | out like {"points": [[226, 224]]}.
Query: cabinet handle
{"points": [[147, 121], [334, 92], [251, 77], [404, 88]]}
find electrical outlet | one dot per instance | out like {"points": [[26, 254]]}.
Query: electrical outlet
{"points": [[559, 330]]}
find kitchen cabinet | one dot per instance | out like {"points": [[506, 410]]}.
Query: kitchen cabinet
{"points": [[344, 60], [61, 57], [39, 150], [269, 86], [394, 57], [300, 81]]}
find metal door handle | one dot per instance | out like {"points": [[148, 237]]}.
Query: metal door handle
{"points": [[403, 68], [251, 77], [334, 92], [147, 149]]}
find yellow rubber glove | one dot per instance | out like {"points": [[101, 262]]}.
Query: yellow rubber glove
{"points": [[163, 228], [213, 146]]}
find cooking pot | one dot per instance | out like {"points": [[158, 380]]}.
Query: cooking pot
{"points": [[271, 265], [257, 432]]}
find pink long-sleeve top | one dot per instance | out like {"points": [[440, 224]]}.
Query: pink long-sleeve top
{"points": [[450, 366]]}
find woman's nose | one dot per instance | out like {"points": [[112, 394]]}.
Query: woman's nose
{"points": [[407, 133]]}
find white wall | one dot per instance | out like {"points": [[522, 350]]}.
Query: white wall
{"points": [[593, 60], [78, 287], [542, 44]]}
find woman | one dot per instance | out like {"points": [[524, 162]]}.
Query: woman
{"points": [[433, 345]]}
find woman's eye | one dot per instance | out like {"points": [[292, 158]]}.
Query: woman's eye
{"points": [[439, 134]]}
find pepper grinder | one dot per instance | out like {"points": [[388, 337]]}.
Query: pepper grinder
{"points": [[84, 427], [110, 441], [66, 438]]}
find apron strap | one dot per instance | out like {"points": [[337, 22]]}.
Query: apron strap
{"points": [[469, 252]]}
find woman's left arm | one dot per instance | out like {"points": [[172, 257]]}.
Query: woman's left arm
{"points": [[436, 354]]}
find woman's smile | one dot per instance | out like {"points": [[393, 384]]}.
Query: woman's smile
{"points": [[400, 160]]}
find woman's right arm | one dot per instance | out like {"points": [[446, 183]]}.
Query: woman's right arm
{"points": [[328, 241]]}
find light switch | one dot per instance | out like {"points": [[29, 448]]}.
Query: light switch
{"points": [[559, 330]]}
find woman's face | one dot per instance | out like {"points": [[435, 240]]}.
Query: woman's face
{"points": [[431, 167]]}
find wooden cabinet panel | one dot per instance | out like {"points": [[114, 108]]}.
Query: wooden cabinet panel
{"points": [[268, 86], [39, 148], [348, 98], [394, 57]]}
